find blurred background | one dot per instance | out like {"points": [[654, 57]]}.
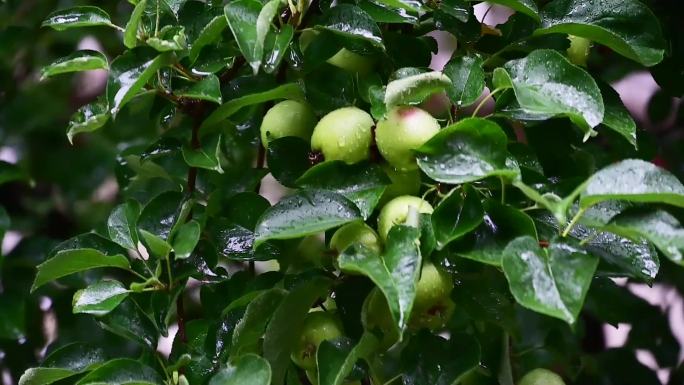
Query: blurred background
{"points": [[52, 190]]}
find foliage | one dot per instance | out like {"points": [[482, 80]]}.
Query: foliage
{"points": [[536, 205]]}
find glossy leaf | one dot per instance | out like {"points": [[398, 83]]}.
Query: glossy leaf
{"points": [[626, 26], [469, 150], [131, 32], [161, 215], [396, 272], [633, 180], [122, 371], [250, 22], [288, 159], [458, 214], [250, 329], [76, 17], [207, 156], [88, 118], [129, 73], [351, 22], [249, 369], [658, 227], [415, 89], [285, 326], [76, 62], [64, 362], [552, 281], [208, 89], [122, 223], [235, 242], [335, 359], [527, 7], [361, 183], [431, 359], [99, 298], [547, 84], [304, 213], [616, 116], [129, 321], [467, 79], [185, 239], [276, 47], [208, 35]]}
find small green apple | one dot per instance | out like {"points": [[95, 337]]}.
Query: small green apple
{"points": [[287, 118], [311, 252], [541, 376], [355, 232], [578, 50], [396, 211], [402, 130], [344, 134], [351, 61], [403, 183], [433, 306], [318, 326]]}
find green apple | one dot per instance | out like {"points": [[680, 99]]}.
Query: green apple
{"points": [[355, 232], [396, 211], [376, 315], [433, 306], [318, 326], [344, 134], [403, 183], [578, 50], [402, 130], [287, 118], [311, 251], [351, 61], [541, 376]]}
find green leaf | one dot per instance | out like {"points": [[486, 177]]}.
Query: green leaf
{"points": [[130, 38], [169, 38], [410, 6], [288, 159], [467, 79], [78, 61], [276, 46], [122, 223], [396, 273], [351, 22], [99, 298], [415, 89], [44, 376], [249, 369], [250, 329], [552, 281], [129, 321], [226, 110], [616, 116], [285, 327], [122, 371], [527, 7], [481, 153], [88, 118], [336, 358], [10, 172], [78, 255], [76, 17], [129, 73], [207, 156], [547, 84], [208, 89], [64, 362], [361, 183], [658, 227], [163, 214], [457, 214], [13, 320], [633, 180], [208, 35], [626, 26], [304, 213], [186, 238]]}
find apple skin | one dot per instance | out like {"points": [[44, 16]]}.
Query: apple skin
{"points": [[344, 134], [396, 211], [287, 118], [402, 130], [351, 61], [541, 376], [403, 183], [318, 326], [578, 50], [355, 232], [433, 306]]}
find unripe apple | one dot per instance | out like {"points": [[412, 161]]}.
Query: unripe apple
{"points": [[541, 376], [578, 50], [344, 134], [403, 183], [318, 326], [402, 130], [351, 61], [433, 306], [287, 118], [396, 211], [376, 315], [311, 251], [355, 232]]}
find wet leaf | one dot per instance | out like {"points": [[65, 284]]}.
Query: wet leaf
{"points": [[78, 61], [76, 17], [99, 298], [467, 79], [415, 89]]}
